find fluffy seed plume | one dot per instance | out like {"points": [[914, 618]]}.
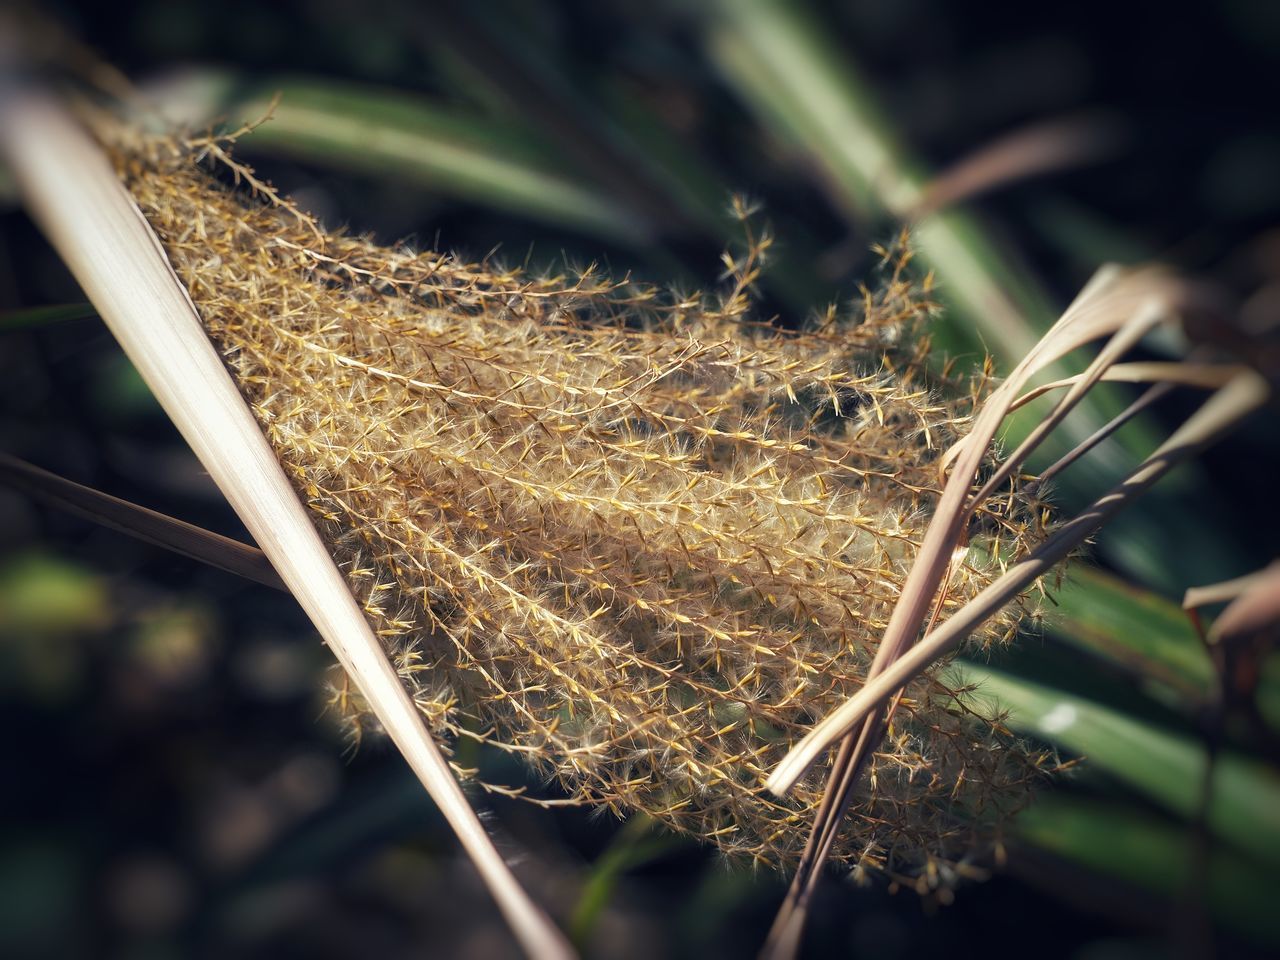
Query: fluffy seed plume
{"points": [[637, 539]]}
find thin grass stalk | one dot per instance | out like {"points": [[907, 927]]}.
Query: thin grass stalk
{"points": [[97, 229], [783, 941], [1031, 151], [1222, 411], [140, 522], [1102, 306], [1124, 340], [1090, 310], [1164, 377], [1146, 400], [1206, 376], [784, 936]]}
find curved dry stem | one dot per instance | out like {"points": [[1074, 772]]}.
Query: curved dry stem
{"points": [[140, 522], [1224, 409]]}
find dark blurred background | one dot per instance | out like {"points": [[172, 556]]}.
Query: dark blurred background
{"points": [[174, 786]]}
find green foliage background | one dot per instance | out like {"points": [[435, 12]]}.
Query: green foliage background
{"points": [[171, 791]]}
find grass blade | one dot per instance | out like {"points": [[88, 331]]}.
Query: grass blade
{"points": [[1165, 767], [1140, 632], [783, 64], [634, 846], [76, 199], [1206, 376], [140, 522], [1222, 411], [390, 133], [1127, 842]]}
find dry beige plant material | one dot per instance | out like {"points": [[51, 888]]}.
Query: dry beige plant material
{"points": [[635, 538]]}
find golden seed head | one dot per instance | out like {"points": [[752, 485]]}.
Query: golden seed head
{"points": [[634, 538]]}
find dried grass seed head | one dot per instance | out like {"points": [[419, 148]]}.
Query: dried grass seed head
{"points": [[637, 539]]}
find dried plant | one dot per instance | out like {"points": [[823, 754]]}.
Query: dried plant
{"points": [[638, 539], [667, 554]]}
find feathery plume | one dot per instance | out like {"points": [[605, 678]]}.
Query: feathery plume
{"points": [[640, 540]]}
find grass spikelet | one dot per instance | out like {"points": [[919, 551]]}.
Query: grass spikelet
{"points": [[640, 540]]}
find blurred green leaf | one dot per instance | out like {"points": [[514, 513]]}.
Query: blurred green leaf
{"points": [[634, 845], [1125, 841], [44, 595], [1146, 636], [618, 140], [396, 135], [1166, 767], [1084, 236], [530, 87], [47, 604], [1134, 629], [43, 316]]}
